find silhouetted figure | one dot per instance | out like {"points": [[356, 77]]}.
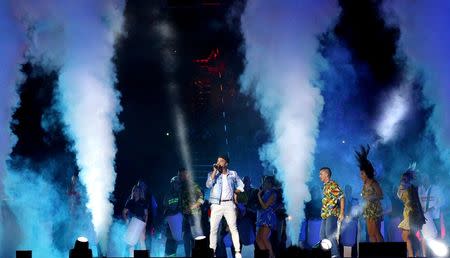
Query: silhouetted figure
{"points": [[266, 218], [413, 218], [136, 213], [152, 212], [173, 215]]}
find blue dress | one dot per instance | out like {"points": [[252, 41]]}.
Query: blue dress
{"points": [[267, 216]]}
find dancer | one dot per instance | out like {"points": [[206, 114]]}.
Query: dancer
{"points": [[372, 195], [136, 209], [247, 207], [266, 218], [152, 206], [224, 185], [413, 218], [173, 215], [333, 207], [191, 201]]}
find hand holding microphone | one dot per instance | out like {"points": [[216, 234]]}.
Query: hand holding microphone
{"points": [[216, 169]]}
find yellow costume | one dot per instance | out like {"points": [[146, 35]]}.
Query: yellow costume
{"points": [[407, 210]]}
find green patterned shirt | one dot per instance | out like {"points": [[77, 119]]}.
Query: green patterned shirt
{"points": [[186, 202], [332, 193]]}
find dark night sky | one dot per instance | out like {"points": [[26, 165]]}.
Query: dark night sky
{"points": [[144, 149]]}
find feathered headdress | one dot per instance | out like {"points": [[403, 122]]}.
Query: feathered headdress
{"points": [[409, 175], [413, 167]]}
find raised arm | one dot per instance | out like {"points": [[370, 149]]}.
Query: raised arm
{"points": [[212, 178], [269, 202]]}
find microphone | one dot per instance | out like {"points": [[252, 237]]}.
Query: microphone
{"points": [[217, 167]]}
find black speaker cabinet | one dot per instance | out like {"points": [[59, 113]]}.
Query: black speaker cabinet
{"points": [[23, 254], [386, 249], [141, 254]]}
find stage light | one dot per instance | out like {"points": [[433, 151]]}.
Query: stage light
{"points": [[438, 248], [326, 244], [322, 249], [201, 248], [81, 249], [199, 238], [82, 243]]}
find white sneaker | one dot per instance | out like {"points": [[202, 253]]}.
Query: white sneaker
{"points": [[237, 255]]}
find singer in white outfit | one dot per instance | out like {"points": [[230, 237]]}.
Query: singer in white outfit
{"points": [[224, 185]]}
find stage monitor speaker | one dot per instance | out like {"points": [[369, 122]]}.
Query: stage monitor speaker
{"points": [[141, 254], [386, 249], [23, 254]]}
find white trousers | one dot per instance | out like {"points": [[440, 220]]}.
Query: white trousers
{"points": [[141, 243], [227, 210]]}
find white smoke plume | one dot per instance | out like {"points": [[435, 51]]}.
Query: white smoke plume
{"points": [[77, 38], [12, 49], [393, 112], [424, 40], [90, 103], [280, 73]]}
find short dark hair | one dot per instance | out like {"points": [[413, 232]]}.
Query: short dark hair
{"points": [[326, 169], [181, 169], [225, 157]]}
